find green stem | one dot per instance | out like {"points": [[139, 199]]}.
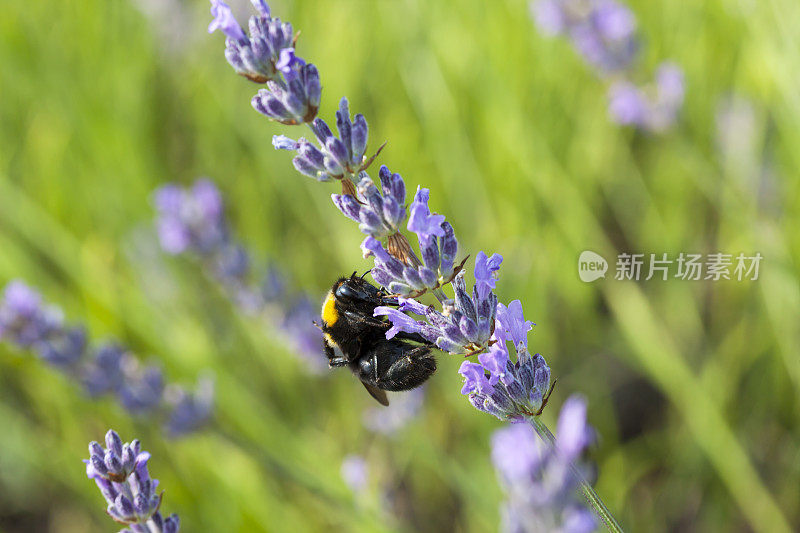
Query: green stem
{"points": [[587, 492]]}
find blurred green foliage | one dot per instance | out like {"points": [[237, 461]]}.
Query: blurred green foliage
{"points": [[692, 386]]}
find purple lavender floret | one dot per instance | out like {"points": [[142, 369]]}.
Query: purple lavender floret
{"points": [[143, 388], [438, 247], [190, 219], [379, 213], [255, 57], [464, 326], [24, 320], [504, 388], [336, 157], [294, 102], [652, 108], [63, 349], [105, 373], [538, 478], [120, 472]]}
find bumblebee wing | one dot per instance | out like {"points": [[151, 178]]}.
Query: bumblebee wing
{"points": [[378, 394]]}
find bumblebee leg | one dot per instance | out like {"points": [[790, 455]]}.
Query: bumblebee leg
{"points": [[416, 337], [410, 370], [366, 320], [334, 362]]}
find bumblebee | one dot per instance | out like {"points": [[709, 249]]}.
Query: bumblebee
{"points": [[354, 338]]}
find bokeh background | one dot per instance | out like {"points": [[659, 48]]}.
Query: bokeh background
{"points": [[692, 386]]}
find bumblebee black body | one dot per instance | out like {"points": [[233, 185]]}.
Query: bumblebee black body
{"points": [[355, 338]]}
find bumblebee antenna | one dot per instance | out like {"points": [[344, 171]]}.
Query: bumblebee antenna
{"points": [[365, 273], [317, 325]]}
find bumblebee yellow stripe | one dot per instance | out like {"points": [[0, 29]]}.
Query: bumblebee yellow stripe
{"points": [[329, 313]]}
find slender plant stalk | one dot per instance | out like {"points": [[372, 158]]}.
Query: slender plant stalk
{"points": [[588, 493]]}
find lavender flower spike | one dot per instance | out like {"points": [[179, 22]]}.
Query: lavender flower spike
{"points": [[120, 472], [603, 31], [539, 482], [192, 220], [472, 322], [106, 369]]}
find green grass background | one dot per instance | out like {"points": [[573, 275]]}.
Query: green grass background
{"points": [[692, 386]]}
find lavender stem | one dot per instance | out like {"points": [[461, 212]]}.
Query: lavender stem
{"points": [[588, 493]]}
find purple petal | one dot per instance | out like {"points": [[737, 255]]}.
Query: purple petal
{"points": [[420, 219], [512, 321], [573, 435], [400, 321], [282, 142], [474, 379], [225, 21]]}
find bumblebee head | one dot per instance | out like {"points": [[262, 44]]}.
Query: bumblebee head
{"points": [[356, 291], [353, 293]]}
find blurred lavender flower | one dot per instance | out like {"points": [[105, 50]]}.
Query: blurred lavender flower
{"points": [[654, 108], [355, 473], [604, 32], [23, 319], [120, 472], [539, 480], [143, 388], [191, 219], [389, 420], [108, 369], [196, 216], [191, 410], [63, 348], [606, 36], [105, 373]]}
